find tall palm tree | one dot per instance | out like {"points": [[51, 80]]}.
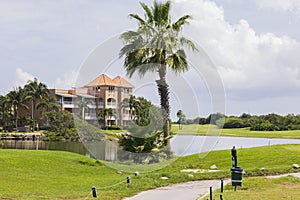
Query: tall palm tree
{"points": [[16, 99], [4, 112], [83, 105], [104, 114], [181, 117], [47, 104], [155, 46], [37, 91]]}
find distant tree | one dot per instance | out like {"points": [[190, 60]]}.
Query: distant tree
{"points": [[61, 126], [105, 114], [83, 105], [181, 118], [16, 100], [37, 91], [234, 122], [213, 118], [4, 112]]}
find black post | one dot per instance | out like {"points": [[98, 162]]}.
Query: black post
{"points": [[94, 192], [221, 197], [222, 185], [210, 193], [128, 179], [234, 157]]}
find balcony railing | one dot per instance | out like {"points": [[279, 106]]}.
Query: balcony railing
{"points": [[90, 116], [70, 104], [111, 105]]}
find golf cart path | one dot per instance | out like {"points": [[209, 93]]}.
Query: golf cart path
{"points": [[187, 191]]}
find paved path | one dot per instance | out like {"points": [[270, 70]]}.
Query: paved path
{"points": [[182, 191], [187, 191]]}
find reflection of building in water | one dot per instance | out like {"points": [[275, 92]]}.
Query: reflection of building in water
{"points": [[102, 92], [101, 150]]}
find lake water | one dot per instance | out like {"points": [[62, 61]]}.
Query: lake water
{"points": [[180, 145]]}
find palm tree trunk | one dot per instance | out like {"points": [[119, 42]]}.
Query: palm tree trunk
{"points": [[16, 112], [32, 117], [163, 90]]}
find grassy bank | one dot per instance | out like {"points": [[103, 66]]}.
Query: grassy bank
{"points": [[63, 175], [194, 129], [259, 188]]}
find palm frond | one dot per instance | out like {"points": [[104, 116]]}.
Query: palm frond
{"points": [[180, 22], [137, 17], [148, 12], [178, 61], [186, 42]]}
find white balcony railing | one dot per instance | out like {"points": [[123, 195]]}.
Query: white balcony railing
{"points": [[70, 104], [111, 105], [90, 116]]}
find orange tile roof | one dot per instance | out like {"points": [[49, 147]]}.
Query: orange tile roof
{"points": [[121, 82], [101, 80]]}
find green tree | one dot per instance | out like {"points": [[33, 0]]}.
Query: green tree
{"points": [[105, 114], [83, 106], [181, 118], [48, 104], [155, 46], [37, 91], [16, 100], [61, 126], [4, 112]]}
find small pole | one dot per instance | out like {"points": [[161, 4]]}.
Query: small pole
{"points": [[210, 193], [221, 197], [128, 179], [235, 188], [94, 192], [222, 184]]}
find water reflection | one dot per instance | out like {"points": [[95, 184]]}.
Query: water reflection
{"points": [[180, 145]]}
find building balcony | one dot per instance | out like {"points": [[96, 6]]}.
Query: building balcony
{"points": [[90, 116], [69, 104], [111, 105], [125, 117]]}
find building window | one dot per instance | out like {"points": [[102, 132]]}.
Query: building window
{"points": [[111, 89]]}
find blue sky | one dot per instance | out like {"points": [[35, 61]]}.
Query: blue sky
{"points": [[253, 44]]}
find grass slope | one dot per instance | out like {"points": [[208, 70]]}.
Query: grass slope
{"points": [[260, 188], [62, 175], [194, 129]]}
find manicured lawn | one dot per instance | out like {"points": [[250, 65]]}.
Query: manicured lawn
{"points": [[194, 129], [259, 188], [62, 175]]}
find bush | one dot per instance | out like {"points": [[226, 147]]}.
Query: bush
{"points": [[114, 128], [265, 126], [234, 122]]}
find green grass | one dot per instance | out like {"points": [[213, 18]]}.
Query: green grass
{"points": [[194, 129], [62, 175], [259, 188]]}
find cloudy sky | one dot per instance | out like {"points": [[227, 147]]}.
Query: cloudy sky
{"points": [[254, 46]]}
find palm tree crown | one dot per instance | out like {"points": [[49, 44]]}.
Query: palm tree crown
{"points": [[36, 91], [156, 45], [16, 99]]}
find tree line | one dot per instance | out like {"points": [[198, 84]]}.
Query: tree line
{"points": [[269, 122]]}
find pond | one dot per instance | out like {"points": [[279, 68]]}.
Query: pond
{"points": [[180, 145]]}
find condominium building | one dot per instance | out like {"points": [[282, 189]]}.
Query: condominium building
{"points": [[102, 92]]}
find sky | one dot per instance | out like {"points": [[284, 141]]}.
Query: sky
{"points": [[253, 47]]}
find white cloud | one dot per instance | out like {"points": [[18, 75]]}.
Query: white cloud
{"points": [[22, 77], [67, 81], [262, 64]]}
